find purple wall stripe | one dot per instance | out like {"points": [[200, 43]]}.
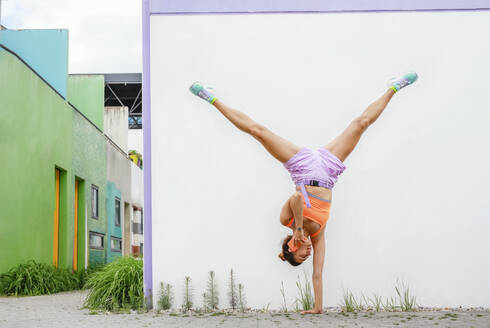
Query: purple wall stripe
{"points": [[147, 250], [283, 6]]}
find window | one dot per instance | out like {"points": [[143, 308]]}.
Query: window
{"points": [[116, 244], [117, 219], [96, 240], [142, 220], [95, 202], [137, 228]]}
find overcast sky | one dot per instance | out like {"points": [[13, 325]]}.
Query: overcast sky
{"points": [[105, 35]]}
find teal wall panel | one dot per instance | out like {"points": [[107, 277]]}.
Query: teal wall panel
{"points": [[96, 257], [46, 51]]}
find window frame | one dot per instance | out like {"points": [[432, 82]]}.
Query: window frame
{"points": [[120, 241], [117, 214], [90, 233], [96, 188]]}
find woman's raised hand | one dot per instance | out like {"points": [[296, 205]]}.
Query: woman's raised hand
{"points": [[298, 236]]}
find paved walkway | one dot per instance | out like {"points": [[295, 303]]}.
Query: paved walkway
{"points": [[63, 310]]}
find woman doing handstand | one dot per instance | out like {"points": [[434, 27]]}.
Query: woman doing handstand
{"points": [[314, 172]]}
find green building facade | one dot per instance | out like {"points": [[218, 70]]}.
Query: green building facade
{"points": [[85, 93], [36, 133], [54, 179]]}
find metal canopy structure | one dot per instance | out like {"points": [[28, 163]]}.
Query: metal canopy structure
{"points": [[125, 90]]}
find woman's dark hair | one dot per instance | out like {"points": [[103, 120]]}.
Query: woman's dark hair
{"points": [[286, 255]]}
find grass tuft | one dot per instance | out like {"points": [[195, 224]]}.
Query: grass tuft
{"points": [[390, 304], [117, 286], [349, 303], [34, 278], [284, 307], [242, 303], [166, 297], [232, 294], [407, 302], [187, 302], [305, 297], [376, 302], [212, 292]]}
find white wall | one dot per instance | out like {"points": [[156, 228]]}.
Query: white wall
{"points": [[137, 187], [135, 140], [413, 201]]}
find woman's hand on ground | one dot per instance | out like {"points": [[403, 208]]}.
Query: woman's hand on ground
{"points": [[314, 311]]}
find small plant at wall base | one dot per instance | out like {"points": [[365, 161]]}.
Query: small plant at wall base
{"points": [[118, 286], [242, 303], [377, 302], [407, 302], [233, 297], [349, 304], [390, 304], [284, 307], [212, 292], [404, 301], [187, 301], [305, 297], [33, 278], [166, 297], [205, 302], [363, 303]]}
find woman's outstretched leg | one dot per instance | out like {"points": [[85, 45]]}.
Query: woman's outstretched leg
{"points": [[278, 147], [345, 143]]}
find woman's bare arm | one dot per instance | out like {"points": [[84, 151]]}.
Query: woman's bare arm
{"points": [[318, 244], [293, 207], [286, 213]]}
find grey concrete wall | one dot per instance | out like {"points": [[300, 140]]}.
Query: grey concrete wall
{"points": [[127, 229], [119, 170], [118, 164], [127, 177], [116, 125], [119, 173]]}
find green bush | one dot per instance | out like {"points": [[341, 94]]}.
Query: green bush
{"points": [[33, 278], [117, 286], [84, 274]]}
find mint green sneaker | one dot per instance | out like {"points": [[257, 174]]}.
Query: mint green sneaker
{"points": [[407, 79], [197, 89]]}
